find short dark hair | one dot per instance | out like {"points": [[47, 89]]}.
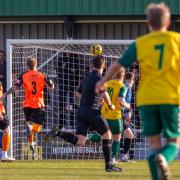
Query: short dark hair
{"points": [[31, 63], [129, 75], [98, 61]]}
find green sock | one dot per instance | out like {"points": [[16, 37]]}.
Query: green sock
{"points": [[115, 148], [94, 137], [152, 164], [170, 151]]}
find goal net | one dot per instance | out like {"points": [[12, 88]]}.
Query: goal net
{"points": [[66, 62]]}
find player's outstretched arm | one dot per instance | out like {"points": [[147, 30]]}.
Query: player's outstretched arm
{"points": [[15, 87], [51, 87], [10, 91], [48, 82]]}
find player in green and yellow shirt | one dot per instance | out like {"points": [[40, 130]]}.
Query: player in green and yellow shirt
{"points": [[117, 92], [158, 94]]}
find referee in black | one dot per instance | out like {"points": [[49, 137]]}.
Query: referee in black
{"points": [[89, 115]]}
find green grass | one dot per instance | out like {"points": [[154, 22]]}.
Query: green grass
{"points": [[76, 170]]}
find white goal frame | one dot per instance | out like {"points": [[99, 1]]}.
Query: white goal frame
{"points": [[10, 42]]}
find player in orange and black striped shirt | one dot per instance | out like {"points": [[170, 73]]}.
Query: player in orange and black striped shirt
{"points": [[33, 83]]}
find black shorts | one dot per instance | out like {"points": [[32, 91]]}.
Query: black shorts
{"points": [[87, 117], [125, 125], [4, 123], [35, 115]]}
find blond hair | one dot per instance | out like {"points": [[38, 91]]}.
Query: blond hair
{"points": [[120, 73], [31, 63], [158, 15]]}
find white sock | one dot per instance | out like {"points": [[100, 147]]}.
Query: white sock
{"points": [[4, 154]]}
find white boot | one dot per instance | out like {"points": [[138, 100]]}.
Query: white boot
{"points": [[114, 162], [124, 158], [5, 157]]}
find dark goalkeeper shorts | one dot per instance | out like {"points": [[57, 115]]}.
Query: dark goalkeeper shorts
{"points": [[35, 115], [4, 123], [87, 117], [160, 118]]}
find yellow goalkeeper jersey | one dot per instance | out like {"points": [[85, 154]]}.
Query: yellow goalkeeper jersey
{"points": [[115, 89], [158, 54]]}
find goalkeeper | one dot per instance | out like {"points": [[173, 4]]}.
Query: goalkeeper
{"points": [[33, 83], [4, 125]]}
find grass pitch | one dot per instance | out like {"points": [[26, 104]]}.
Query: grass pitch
{"points": [[76, 170]]}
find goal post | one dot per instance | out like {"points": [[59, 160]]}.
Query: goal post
{"points": [[9, 84], [53, 58]]}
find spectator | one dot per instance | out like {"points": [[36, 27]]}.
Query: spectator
{"points": [[136, 118], [3, 69], [69, 74]]}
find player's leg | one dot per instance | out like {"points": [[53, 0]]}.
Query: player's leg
{"points": [[171, 126], [152, 127], [67, 136], [31, 137], [171, 148], [30, 134], [101, 126], [4, 125], [35, 118], [34, 129], [83, 123], [116, 127], [128, 137], [94, 137], [155, 145], [76, 139], [115, 147]]}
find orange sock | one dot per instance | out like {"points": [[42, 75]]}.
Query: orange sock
{"points": [[36, 128], [5, 141], [31, 137]]}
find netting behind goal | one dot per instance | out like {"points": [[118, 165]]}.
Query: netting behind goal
{"points": [[66, 62]]}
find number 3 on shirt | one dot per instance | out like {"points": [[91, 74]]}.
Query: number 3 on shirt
{"points": [[160, 47], [34, 87]]}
